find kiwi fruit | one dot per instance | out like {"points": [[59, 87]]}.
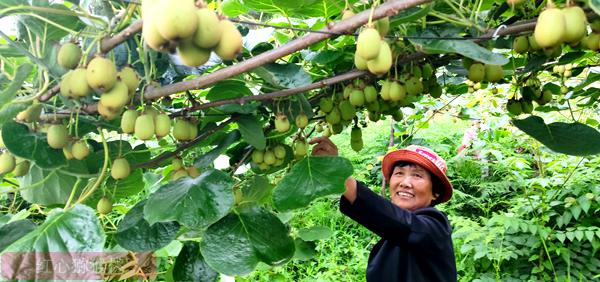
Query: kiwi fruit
{"points": [[414, 86], [533, 45], [176, 19], [357, 98], [78, 85], [128, 121], [368, 43], [300, 148], [144, 127], [193, 171], [152, 37], [108, 113], [575, 24], [383, 26], [347, 110], [384, 92], [80, 150], [67, 152], [333, 117], [347, 90], [192, 55], [69, 55], [326, 104], [162, 125], [476, 72], [230, 43], [435, 91], [181, 130], [176, 164], [32, 113], [101, 74], [514, 107], [382, 63], [279, 151], [179, 174], [301, 120], [493, 73], [356, 141], [397, 91], [359, 62], [2, 145], [269, 157], [104, 205], [370, 94], [282, 124], [65, 84], [258, 156], [347, 13], [550, 28], [57, 136], [591, 41], [116, 97], [192, 130], [521, 44], [208, 33], [21, 168], [120, 169], [7, 163], [128, 76], [427, 71], [397, 115], [526, 106]]}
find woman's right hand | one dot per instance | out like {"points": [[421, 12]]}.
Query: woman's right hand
{"points": [[324, 147]]}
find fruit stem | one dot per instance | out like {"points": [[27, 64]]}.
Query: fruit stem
{"points": [[84, 197], [68, 204]]}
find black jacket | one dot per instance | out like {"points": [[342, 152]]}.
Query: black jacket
{"points": [[414, 246]]}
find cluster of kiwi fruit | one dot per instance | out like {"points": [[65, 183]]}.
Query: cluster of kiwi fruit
{"points": [[193, 30], [57, 136], [529, 92], [478, 72], [8, 162], [272, 156], [178, 170], [373, 53]]}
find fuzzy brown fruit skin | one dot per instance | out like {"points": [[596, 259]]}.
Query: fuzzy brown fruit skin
{"points": [[192, 55], [368, 43], [120, 169], [101, 74], [208, 33], [69, 55], [128, 76], [177, 19], [57, 136], [576, 24], [128, 121], [144, 127], [80, 150], [7, 163], [550, 28], [230, 43], [104, 206]]}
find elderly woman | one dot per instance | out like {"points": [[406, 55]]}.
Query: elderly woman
{"points": [[416, 241]]}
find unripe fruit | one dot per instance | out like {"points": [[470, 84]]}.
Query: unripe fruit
{"points": [[65, 85], [7, 163], [435, 91], [347, 90], [80, 150], [258, 156], [128, 76], [514, 107], [427, 71], [368, 43], [414, 86], [151, 35], [591, 41], [193, 171], [347, 111], [575, 24], [69, 55], [360, 62], [179, 174], [550, 28], [231, 41], [326, 104], [476, 72], [279, 152], [381, 64], [300, 148], [336, 128], [162, 125], [128, 121], [78, 85], [374, 116], [533, 43], [370, 94], [192, 55], [397, 115], [57, 136], [208, 33], [383, 26], [116, 97], [192, 130], [493, 73], [104, 206], [177, 19], [176, 164], [357, 98], [301, 120], [101, 74], [282, 124], [22, 168], [373, 107], [385, 90], [120, 169], [2, 141], [67, 152], [31, 114], [269, 157], [521, 44], [181, 130], [356, 141], [108, 113], [527, 106], [397, 91], [333, 117], [144, 127], [347, 14], [264, 166]]}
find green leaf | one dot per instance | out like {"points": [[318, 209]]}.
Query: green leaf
{"points": [[576, 211], [55, 15], [49, 187], [11, 232], [252, 131], [256, 189], [284, 76], [196, 202], [568, 138], [191, 266], [298, 8], [585, 203], [72, 230], [410, 15], [315, 233], [304, 250], [207, 159], [579, 235], [10, 111], [228, 89], [9, 93], [324, 57], [466, 48], [129, 186], [32, 146], [311, 178], [235, 244], [589, 235], [233, 8], [595, 5], [561, 237], [136, 234]]}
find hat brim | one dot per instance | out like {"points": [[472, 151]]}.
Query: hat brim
{"points": [[409, 156]]}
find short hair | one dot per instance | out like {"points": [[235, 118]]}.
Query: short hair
{"points": [[436, 185]]}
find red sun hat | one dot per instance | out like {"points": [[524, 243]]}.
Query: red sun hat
{"points": [[424, 157]]}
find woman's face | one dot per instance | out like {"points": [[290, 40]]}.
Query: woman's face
{"points": [[411, 187]]}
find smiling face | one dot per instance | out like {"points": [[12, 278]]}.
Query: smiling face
{"points": [[411, 186]]}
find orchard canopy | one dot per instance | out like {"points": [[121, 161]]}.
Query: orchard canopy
{"points": [[106, 102]]}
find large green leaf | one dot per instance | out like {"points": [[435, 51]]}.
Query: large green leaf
{"points": [[315, 233], [228, 89], [466, 48], [298, 8], [49, 187], [13, 231], [256, 189], [311, 178], [284, 76], [136, 234], [196, 202], [236, 243], [595, 5], [46, 23], [207, 159], [568, 138], [233, 8], [129, 186], [252, 131], [191, 266], [31, 146], [8, 112], [410, 15], [305, 250], [9, 93]]}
